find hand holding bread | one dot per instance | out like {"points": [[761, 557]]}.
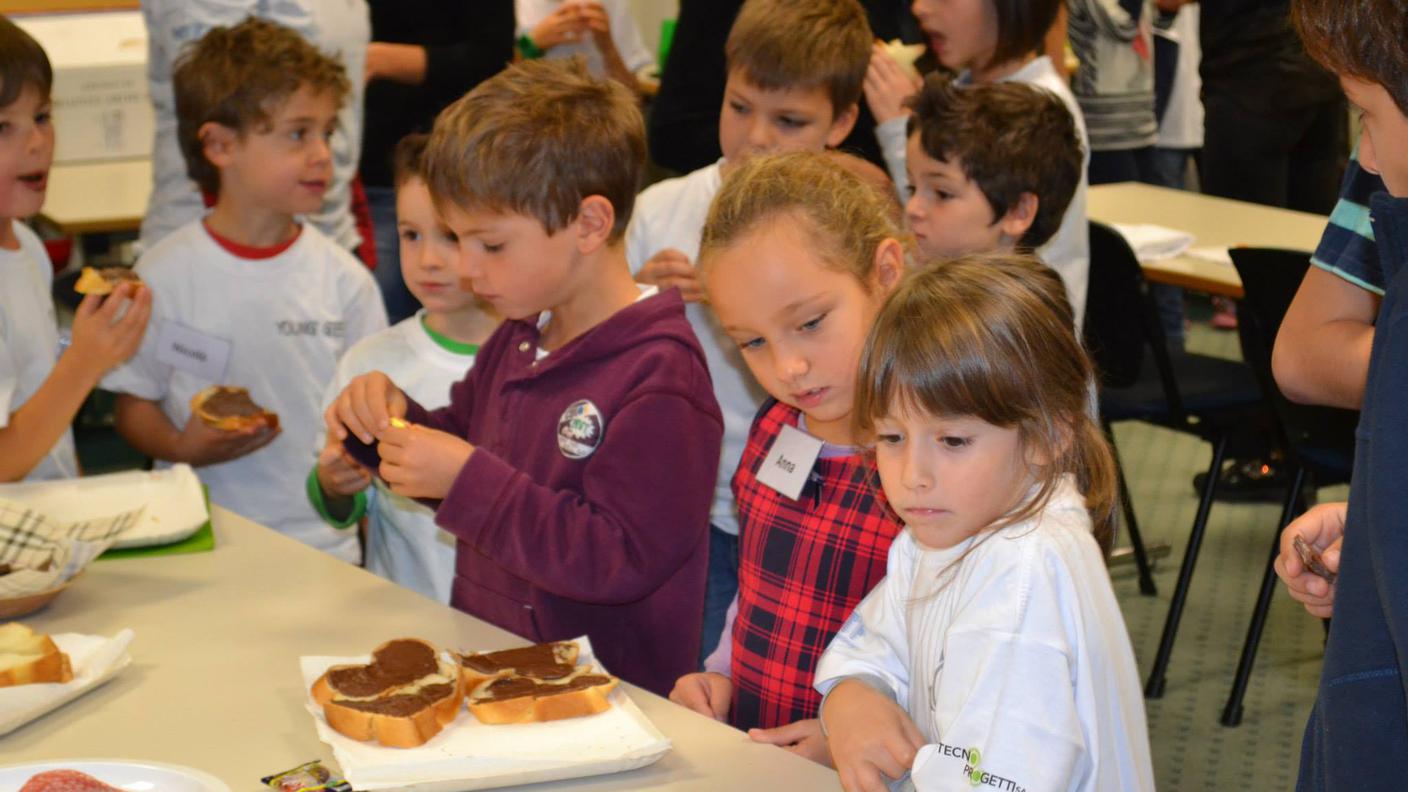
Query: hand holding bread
{"points": [[109, 330], [201, 444], [365, 407], [888, 84]]}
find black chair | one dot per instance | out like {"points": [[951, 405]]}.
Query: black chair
{"points": [[1319, 441], [1211, 398]]}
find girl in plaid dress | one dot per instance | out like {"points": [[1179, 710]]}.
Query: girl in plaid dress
{"points": [[797, 256]]}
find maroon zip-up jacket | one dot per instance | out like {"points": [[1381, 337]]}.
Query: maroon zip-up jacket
{"points": [[584, 507]]}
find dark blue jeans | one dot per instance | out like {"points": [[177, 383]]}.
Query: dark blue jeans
{"points": [[720, 588]]}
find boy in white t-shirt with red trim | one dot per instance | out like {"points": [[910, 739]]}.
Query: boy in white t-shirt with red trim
{"points": [[249, 296], [424, 354]]}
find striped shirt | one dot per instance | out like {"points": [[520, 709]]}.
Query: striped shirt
{"points": [[1347, 247]]}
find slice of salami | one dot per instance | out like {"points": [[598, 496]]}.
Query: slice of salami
{"points": [[66, 781]]}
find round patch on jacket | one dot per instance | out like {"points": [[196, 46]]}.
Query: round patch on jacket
{"points": [[579, 430]]}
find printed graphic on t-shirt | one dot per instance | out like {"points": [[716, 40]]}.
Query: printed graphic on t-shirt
{"points": [[579, 430], [312, 327], [970, 760]]}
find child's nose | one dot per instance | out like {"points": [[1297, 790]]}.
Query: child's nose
{"points": [[917, 474]]}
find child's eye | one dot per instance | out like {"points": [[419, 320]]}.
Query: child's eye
{"points": [[298, 134], [809, 326], [944, 195], [750, 344], [410, 235], [488, 248], [738, 107], [910, 189], [953, 441], [43, 118], [791, 123], [449, 236], [888, 439], [4, 127]]}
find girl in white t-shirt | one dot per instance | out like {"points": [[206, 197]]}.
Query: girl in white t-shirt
{"points": [[994, 651], [425, 354]]}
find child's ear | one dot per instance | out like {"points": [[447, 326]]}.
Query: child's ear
{"points": [[1020, 216], [889, 266], [842, 126], [217, 142], [595, 219]]}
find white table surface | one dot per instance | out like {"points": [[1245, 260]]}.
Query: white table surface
{"points": [[1216, 222], [214, 683]]}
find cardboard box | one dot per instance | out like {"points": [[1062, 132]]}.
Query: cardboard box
{"points": [[101, 107]]}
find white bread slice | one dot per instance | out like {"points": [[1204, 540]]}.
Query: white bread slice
{"points": [[404, 697], [904, 54], [27, 657], [518, 699]]}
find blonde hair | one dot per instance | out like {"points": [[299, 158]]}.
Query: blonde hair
{"points": [[992, 336], [782, 44], [851, 217], [536, 139]]}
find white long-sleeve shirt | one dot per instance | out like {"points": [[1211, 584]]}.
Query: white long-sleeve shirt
{"points": [[1013, 662]]}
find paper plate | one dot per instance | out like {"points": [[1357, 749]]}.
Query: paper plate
{"points": [[121, 773]]}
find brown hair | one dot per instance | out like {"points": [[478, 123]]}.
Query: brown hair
{"points": [[408, 158], [1360, 38], [1022, 26], [235, 76], [22, 62], [782, 44], [850, 217], [990, 336], [536, 139], [1009, 138]]}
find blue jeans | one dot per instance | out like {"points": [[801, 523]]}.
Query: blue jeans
{"points": [[400, 303], [719, 588]]}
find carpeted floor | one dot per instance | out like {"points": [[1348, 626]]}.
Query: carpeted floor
{"points": [[1192, 750]]}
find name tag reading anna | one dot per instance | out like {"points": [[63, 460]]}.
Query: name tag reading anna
{"points": [[789, 462], [193, 352]]}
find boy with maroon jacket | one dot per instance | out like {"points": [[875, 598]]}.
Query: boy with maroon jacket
{"points": [[575, 463]]}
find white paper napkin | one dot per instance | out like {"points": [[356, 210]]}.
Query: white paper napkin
{"points": [[95, 660], [1155, 242], [484, 756]]}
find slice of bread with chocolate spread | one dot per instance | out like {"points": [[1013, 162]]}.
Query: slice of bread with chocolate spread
{"points": [[404, 697], [533, 683]]}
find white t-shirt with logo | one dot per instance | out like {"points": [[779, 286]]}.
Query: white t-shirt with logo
{"points": [[403, 543], [1018, 668], [282, 323], [671, 214], [29, 341]]}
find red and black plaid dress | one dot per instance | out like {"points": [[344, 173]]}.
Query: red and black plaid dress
{"points": [[803, 567]]}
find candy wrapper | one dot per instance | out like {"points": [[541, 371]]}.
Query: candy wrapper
{"points": [[310, 777]]}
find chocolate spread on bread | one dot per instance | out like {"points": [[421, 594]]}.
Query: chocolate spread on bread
{"points": [[516, 687], [544, 661], [402, 704], [118, 274], [231, 402], [395, 664]]}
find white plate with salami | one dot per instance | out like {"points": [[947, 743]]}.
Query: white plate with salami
{"points": [[106, 775]]}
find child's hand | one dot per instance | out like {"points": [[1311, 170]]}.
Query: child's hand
{"points": [[201, 444], [102, 340], [419, 462], [706, 693], [671, 268], [887, 86], [871, 736], [365, 407], [596, 21], [1323, 529], [803, 738], [339, 474], [560, 27]]}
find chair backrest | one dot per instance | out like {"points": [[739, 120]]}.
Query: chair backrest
{"points": [[1121, 320], [1270, 279]]}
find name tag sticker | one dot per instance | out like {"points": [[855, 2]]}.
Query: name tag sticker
{"points": [[193, 352], [789, 462]]}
